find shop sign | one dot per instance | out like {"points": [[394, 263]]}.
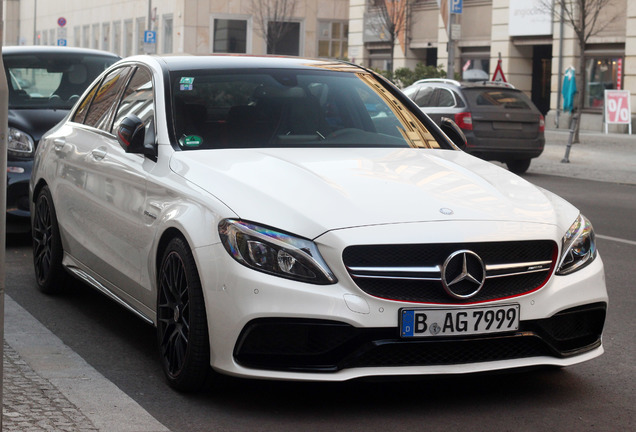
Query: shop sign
{"points": [[617, 108], [529, 18]]}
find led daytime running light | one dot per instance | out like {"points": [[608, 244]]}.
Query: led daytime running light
{"points": [[274, 252], [579, 246]]}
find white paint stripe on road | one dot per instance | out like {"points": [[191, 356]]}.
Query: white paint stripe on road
{"points": [[616, 239]]}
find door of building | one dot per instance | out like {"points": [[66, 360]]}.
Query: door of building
{"points": [[541, 75]]}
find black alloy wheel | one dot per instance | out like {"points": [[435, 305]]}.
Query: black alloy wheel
{"points": [[47, 245], [182, 332]]}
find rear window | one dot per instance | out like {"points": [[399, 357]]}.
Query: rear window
{"points": [[497, 98]]}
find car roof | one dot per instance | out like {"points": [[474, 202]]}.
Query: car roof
{"points": [[242, 61], [465, 84], [48, 50]]}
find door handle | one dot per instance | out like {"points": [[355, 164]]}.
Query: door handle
{"points": [[99, 153], [58, 143]]}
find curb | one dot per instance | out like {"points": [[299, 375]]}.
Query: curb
{"points": [[47, 386]]}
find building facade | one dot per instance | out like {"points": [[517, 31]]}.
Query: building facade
{"points": [[314, 28], [534, 47]]}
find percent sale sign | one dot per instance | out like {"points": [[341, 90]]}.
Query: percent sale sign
{"points": [[617, 108]]}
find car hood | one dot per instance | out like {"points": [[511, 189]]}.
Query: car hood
{"points": [[35, 122], [312, 191]]}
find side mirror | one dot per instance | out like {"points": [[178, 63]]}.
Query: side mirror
{"points": [[131, 135], [450, 128]]}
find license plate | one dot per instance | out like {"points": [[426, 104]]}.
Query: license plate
{"points": [[458, 322]]}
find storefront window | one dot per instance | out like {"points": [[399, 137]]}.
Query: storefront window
{"points": [[475, 68], [602, 73]]}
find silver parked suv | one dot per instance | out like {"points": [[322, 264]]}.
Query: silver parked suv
{"points": [[500, 122]]}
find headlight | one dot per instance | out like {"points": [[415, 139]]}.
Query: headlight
{"points": [[579, 247], [275, 252], [19, 143]]}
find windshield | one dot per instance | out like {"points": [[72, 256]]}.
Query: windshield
{"points": [[290, 108], [51, 80]]}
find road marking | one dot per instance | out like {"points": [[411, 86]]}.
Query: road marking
{"points": [[616, 239]]}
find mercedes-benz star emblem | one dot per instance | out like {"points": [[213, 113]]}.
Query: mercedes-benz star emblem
{"points": [[463, 274]]}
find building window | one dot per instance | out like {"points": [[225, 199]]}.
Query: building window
{"points": [[141, 27], [52, 39], [332, 39], [77, 36], [380, 58], [128, 38], [167, 34], [475, 65], [86, 36], [106, 36], [229, 35], [602, 74], [117, 37], [95, 43], [286, 40]]}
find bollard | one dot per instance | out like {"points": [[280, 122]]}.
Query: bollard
{"points": [[573, 122]]}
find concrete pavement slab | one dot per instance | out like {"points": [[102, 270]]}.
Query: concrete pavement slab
{"points": [[600, 157]]}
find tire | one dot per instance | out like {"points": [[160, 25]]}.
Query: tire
{"points": [[47, 245], [518, 166], [182, 328]]}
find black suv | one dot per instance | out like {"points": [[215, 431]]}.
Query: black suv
{"points": [[500, 122], [44, 83]]}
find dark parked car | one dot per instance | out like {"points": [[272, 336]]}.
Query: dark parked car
{"points": [[500, 122], [44, 84]]}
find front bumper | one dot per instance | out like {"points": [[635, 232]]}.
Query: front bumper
{"points": [[505, 149], [18, 176], [18, 212], [329, 346], [263, 326]]}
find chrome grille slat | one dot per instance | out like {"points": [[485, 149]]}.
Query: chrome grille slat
{"points": [[378, 269]]}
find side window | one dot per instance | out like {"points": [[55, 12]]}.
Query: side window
{"points": [[79, 115], [138, 99], [100, 112], [445, 98], [459, 100], [425, 97]]}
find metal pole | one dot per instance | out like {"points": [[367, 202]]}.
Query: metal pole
{"points": [[560, 83], [4, 126], [149, 15], [35, 14], [568, 147], [450, 74]]}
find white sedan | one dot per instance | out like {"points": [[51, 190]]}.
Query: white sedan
{"points": [[298, 219]]}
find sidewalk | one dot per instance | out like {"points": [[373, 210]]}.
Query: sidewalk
{"points": [[48, 387], [610, 158]]}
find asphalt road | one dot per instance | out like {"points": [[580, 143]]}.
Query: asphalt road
{"points": [[598, 395]]}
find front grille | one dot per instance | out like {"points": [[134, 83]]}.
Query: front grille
{"points": [[328, 346], [413, 272]]}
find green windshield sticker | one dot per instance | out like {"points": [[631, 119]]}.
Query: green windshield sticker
{"points": [[186, 83], [192, 141]]}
